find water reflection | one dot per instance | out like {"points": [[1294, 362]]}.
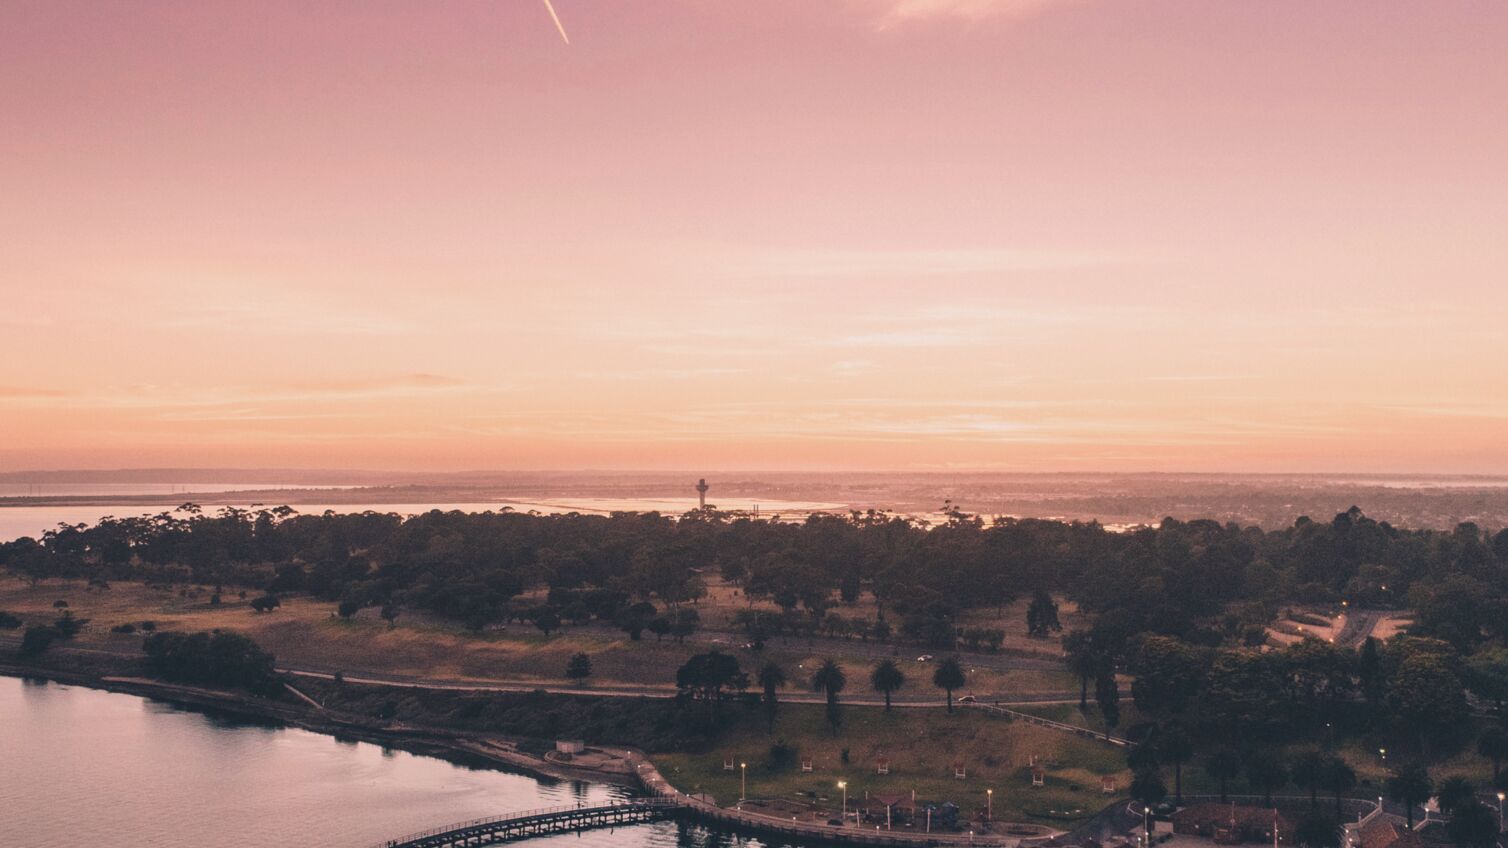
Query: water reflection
{"points": [[90, 768]]}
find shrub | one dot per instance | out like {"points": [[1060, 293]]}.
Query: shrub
{"points": [[38, 638], [123, 628], [214, 659], [8, 621]]}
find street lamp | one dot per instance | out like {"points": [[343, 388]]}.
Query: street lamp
{"points": [[1501, 796], [743, 781], [843, 785], [989, 804], [1383, 753]]}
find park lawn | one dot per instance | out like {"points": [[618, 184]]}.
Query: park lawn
{"points": [[922, 747], [305, 632]]}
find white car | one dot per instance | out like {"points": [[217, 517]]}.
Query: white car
{"points": [[924, 658]]}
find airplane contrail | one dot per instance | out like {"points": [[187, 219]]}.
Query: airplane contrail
{"points": [[556, 19]]}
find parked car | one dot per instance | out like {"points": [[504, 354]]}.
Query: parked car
{"points": [[967, 699], [924, 658]]}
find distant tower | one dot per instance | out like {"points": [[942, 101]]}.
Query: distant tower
{"points": [[701, 493]]}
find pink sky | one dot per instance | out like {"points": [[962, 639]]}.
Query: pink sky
{"points": [[1003, 234]]}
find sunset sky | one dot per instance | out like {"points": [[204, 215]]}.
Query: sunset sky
{"points": [[769, 234]]}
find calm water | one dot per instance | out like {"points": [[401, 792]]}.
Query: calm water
{"points": [[18, 521], [80, 768]]}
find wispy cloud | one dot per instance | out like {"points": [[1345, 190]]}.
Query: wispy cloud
{"points": [[23, 392], [893, 13], [913, 263]]}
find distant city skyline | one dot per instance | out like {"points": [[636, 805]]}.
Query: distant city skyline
{"points": [[1027, 235]]}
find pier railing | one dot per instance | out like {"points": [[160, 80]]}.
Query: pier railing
{"points": [[538, 816]]}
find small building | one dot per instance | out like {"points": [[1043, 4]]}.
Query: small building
{"points": [[1039, 777], [806, 764], [882, 765], [1232, 824], [889, 808], [1107, 784], [728, 764], [1381, 831], [565, 749], [959, 772]]}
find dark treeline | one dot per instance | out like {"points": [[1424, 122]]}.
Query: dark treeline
{"points": [[1200, 581]]}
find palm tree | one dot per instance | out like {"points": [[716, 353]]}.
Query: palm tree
{"points": [[1493, 744], [830, 679], [887, 677], [1223, 764], [1083, 661], [1411, 787], [1309, 772], [1265, 773], [771, 677], [1176, 747], [949, 676], [1340, 778], [1453, 792]]}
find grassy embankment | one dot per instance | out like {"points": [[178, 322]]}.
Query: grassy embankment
{"points": [[922, 747]]}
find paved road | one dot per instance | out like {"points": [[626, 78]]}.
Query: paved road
{"points": [[795, 696], [1359, 625], [728, 639]]}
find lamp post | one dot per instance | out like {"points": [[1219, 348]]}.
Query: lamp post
{"points": [[989, 804], [843, 785], [1382, 754], [1501, 796], [743, 782]]}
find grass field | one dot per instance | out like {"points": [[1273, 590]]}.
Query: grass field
{"points": [[306, 632], [922, 747]]}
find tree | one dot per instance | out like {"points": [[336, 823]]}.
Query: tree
{"points": [[37, 639], [1340, 778], [547, 620], [266, 603], [579, 667], [1265, 773], [1309, 773], [829, 679], [213, 659], [1411, 787], [1426, 695], [1493, 744], [1147, 786], [1223, 764], [708, 677], [886, 678], [67, 626], [389, 613], [771, 677], [1453, 792], [659, 626], [1107, 693], [348, 607], [634, 619], [1176, 747], [1042, 615], [1369, 670], [1473, 825], [1083, 661], [949, 676]]}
